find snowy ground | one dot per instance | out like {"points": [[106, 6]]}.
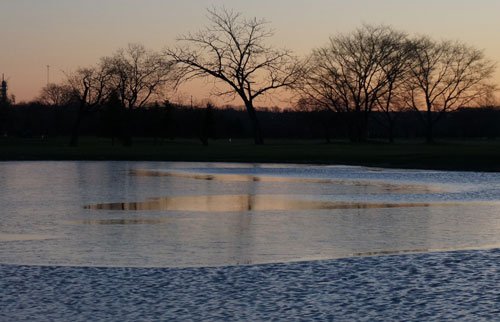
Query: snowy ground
{"points": [[462, 285]]}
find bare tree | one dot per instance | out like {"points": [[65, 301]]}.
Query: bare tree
{"points": [[56, 94], [134, 74], [139, 75], [391, 103], [233, 50], [445, 76], [389, 107], [90, 87], [352, 73]]}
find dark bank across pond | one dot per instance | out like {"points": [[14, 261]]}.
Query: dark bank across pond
{"points": [[465, 155]]}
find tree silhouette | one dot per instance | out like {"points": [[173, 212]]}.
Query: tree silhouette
{"points": [[138, 74], [56, 94], [233, 50], [112, 117], [445, 76], [397, 73], [90, 87], [353, 71], [207, 126], [134, 75]]}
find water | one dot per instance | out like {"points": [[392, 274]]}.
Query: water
{"points": [[451, 286], [132, 241], [144, 214]]}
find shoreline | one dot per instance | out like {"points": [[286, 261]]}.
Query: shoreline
{"points": [[306, 261], [477, 156]]}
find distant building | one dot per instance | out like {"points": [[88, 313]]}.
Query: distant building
{"points": [[3, 92]]}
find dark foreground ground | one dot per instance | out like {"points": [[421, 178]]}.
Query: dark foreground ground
{"points": [[445, 155], [450, 286]]}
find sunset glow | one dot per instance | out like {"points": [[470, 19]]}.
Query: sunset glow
{"points": [[68, 34]]}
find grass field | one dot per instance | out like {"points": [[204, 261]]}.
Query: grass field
{"points": [[450, 155]]}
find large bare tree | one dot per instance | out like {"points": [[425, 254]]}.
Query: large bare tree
{"points": [[233, 50], [445, 76], [353, 72]]}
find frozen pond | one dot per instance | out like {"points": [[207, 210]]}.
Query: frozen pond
{"points": [[146, 214], [133, 241], [449, 286]]}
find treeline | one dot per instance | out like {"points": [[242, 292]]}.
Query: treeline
{"points": [[372, 82], [170, 122]]}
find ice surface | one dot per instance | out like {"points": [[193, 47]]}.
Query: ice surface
{"points": [[452, 286], [134, 241], [148, 214]]}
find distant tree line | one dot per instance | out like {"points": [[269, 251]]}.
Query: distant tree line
{"points": [[373, 82], [169, 121]]}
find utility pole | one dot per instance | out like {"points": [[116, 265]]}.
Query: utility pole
{"points": [[48, 72]]}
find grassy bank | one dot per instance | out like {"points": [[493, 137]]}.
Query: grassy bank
{"points": [[448, 155]]}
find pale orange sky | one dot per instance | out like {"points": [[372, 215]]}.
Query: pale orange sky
{"points": [[72, 33]]}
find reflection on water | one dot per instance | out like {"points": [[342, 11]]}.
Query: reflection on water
{"points": [[393, 188], [24, 237], [216, 214], [122, 221], [240, 203]]}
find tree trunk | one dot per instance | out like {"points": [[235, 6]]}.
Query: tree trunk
{"points": [[352, 126], [389, 125], [364, 127], [126, 136], [391, 131], [429, 135], [327, 131], [360, 128], [257, 132], [75, 131]]}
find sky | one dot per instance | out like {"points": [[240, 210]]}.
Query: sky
{"points": [[67, 34]]}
